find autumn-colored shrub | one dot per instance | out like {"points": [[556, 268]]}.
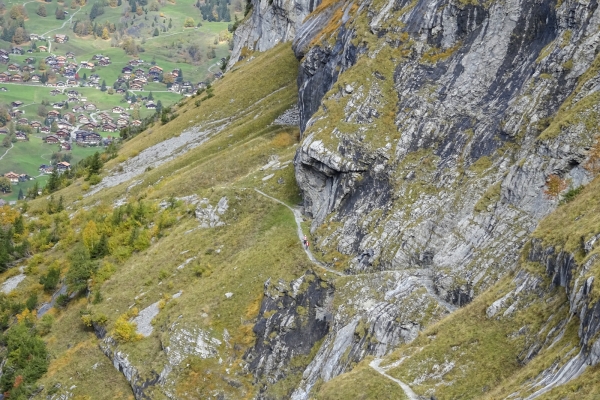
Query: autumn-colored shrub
{"points": [[125, 331], [554, 185]]}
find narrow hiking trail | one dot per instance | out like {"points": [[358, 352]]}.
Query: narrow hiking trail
{"points": [[407, 390], [63, 25], [7, 150], [425, 281], [410, 394], [298, 219]]}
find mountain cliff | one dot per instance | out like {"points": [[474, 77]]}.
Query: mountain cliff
{"points": [[440, 156], [433, 136]]}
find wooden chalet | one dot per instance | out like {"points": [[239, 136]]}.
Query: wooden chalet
{"points": [[109, 127], [155, 70], [90, 126], [21, 136], [87, 138], [13, 177], [62, 134], [63, 166], [60, 38]]}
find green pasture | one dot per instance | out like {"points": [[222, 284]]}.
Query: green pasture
{"points": [[168, 50], [26, 157]]}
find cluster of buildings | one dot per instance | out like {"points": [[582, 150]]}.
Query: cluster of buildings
{"points": [[62, 65], [60, 167], [137, 75], [65, 66], [58, 38]]}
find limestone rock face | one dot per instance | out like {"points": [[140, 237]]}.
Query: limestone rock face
{"points": [[565, 271], [435, 137], [293, 318], [271, 22], [430, 132]]}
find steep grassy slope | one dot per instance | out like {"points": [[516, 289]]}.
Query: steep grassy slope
{"points": [[206, 282], [192, 283]]}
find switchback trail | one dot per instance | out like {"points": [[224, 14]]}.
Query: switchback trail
{"points": [[407, 390], [298, 219]]}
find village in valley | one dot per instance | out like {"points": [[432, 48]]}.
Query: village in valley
{"points": [[65, 95]]}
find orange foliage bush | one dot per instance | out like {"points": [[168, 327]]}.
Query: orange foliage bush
{"points": [[554, 185]]}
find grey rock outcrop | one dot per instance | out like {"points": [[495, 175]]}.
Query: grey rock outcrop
{"points": [[376, 313], [11, 283], [459, 182], [139, 385], [293, 318], [210, 216], [143, 321], [322, 64], [565, 272], [271, 22], [183, 342]]}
